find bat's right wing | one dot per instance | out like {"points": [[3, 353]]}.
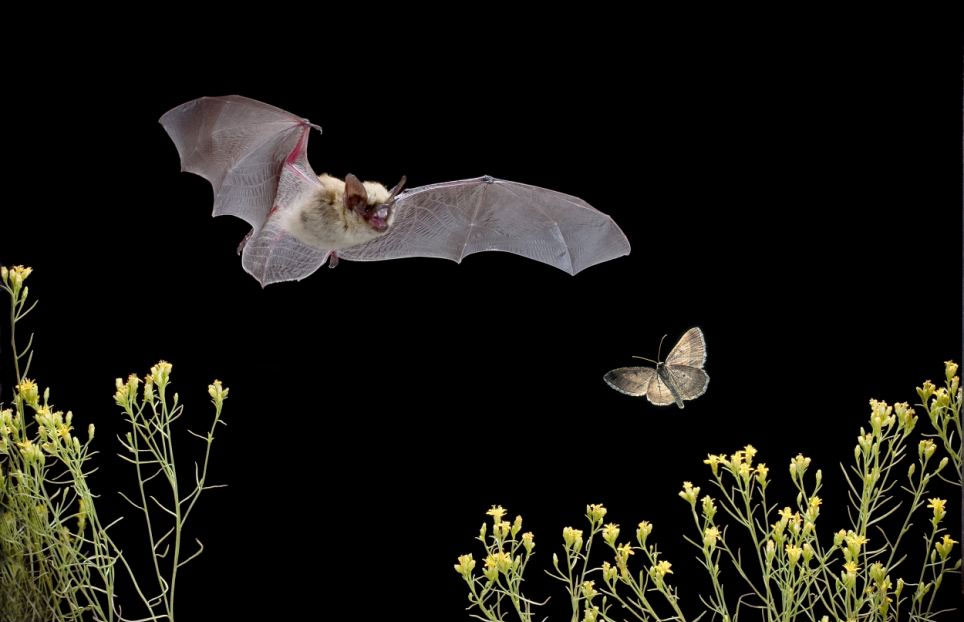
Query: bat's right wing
{"points": [[255, 156], [455, 219]]}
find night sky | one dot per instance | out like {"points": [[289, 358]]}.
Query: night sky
{"points": [[795, 193]]}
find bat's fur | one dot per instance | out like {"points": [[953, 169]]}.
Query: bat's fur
{"points": [[323, 220]]}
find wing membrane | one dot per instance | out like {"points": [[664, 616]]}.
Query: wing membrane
{"points": [[660, 392], [455, 219], [689, 382], [690, 350], [630, 380]]}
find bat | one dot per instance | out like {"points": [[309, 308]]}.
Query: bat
{"points": [[255, 156], [680, 377]]}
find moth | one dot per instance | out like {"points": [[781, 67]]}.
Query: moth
{"points": [[255, 156], [680, 377]]}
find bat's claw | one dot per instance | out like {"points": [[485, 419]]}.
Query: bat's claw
{"points": [[332, 260], [245, 241]]}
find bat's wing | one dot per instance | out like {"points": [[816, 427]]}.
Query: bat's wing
{"points": [[455, 219], [255, 157]]}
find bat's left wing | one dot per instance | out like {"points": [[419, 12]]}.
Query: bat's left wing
{"points": [[256, 158], [455, 219]]}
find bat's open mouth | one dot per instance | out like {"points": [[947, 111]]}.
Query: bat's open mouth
{"points": [[379, 219]]}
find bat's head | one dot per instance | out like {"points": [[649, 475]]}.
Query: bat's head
{"points": [[371, 202]]}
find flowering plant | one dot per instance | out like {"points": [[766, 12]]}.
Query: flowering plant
{"points": [[58, 559], [791, 570]]}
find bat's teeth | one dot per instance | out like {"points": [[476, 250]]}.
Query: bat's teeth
{"points": [[382, 212]]}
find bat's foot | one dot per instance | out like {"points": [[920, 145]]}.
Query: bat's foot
{"points": [[332, 260], [245, 241]]}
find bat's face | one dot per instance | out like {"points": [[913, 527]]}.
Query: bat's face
{"points": [[377, 215], [375, 207]]}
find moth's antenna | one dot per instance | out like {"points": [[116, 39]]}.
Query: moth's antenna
{"points": [[660, 350], [645, 359]]}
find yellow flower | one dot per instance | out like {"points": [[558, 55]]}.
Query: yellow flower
{"points": [[27, 391], [749, 451], [64, 431], [689, 493], [609, 572], [589, 590], [15, 276], [950, 369], [572, 538], [595, 512], [496, 512], [761, 473], [793, 554], [926, 449], [926, 391], [610, 533], [528, 542], [709, 508], [660, 570], [642, 532], [516, 526], [838, 537], [798, 466], [500, 562], [161, 374], [710, 536], [623, 552], [945, 547], [938, 506], [880, 416], [855, 542], [491, 570], [714, 461], [216, 391], [465, 566]]}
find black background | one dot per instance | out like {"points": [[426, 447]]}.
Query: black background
{"points": [[793, 190]]}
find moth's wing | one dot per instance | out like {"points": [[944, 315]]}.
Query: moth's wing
{"points": [[455, 219], [659, 392], [256, 158], [630, 380], [689, 351], [689, 382]]}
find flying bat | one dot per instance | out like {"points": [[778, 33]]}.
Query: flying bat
{"points": [[680, 377], [255, 156]]}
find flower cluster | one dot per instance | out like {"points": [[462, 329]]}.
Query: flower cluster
{"points": [[507, 554], [794, 568]]}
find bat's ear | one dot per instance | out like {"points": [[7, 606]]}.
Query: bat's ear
{"points": [[398, 188], [355, 194]]}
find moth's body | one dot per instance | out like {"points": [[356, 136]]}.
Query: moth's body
{"points": [[325, 220], [667, 379]]}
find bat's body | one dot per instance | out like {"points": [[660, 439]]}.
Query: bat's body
{"points": [[255, 156], [321, 220]]}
